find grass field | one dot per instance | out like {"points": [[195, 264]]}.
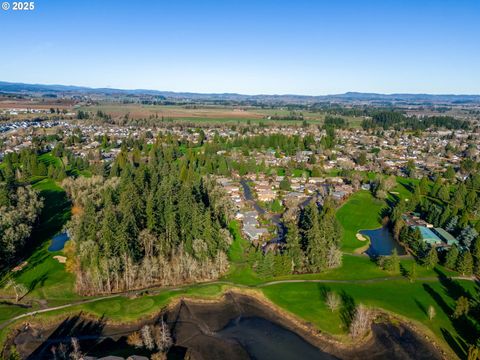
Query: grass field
{"points": [[409, 300], [122, 308], [361, 212], [44, 276], [56, 209], [50, 159], [240, 270]]}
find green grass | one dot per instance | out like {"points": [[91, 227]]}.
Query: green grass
{"points": [[409, 300], [362, 268], [45, 277], [361, 212], [404, 185], [240, 271], [56, 209], [50, 159]]}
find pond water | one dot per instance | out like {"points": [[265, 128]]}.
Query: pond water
{"points": [[58, 241], [263, 339], [382, 242]]}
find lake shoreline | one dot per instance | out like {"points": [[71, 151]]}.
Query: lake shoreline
{"points": [[255, 303]]}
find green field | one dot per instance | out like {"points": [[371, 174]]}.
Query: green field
{"points": [[361, 212], [240, 271], [409, 300], [43, 276]]}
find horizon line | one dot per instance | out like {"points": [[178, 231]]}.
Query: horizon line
{"points": [[237, 93]]}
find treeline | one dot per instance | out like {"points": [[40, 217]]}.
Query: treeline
{"points": [[286, 143], [312, 245], [292, 115], [452, 206], [335, 122], [313, 242], [20, 207], [161, 223], [29, 162], [398, 121]]}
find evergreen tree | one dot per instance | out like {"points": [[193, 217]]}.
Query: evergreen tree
{"points": [[431, 259], [294, 248], [467, 236], [465, 263], [452, 224], [451, 257]]}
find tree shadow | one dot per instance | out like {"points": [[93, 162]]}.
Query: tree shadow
{"points": [[323, 291], [464, 325], [404, 271], [452, 287], [408, 186], [392, 201], [37, 281], [86, 331], [347, 312], [10, 303], [438, 299], [421, 306], [459, 349]]}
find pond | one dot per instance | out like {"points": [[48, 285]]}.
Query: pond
{"points": [[58, 241], [235, 328], [382, 242], [263, 339]]}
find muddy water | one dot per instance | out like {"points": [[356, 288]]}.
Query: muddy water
{"points": [[239, 327], [263, 339]]}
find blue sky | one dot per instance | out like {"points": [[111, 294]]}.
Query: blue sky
{"points": [[271, 47]]}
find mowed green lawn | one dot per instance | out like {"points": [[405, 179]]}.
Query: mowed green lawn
{"points": [[43, 276], [130, 309], [410, 300], [56, 209], [361, 212], [240, 271], [50, 159]]}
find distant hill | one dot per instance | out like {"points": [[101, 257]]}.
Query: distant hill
{"points": [[7, 87]]}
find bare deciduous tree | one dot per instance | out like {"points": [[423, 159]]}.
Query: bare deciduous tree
{"points": [[360, 322], [163, 339], [431, 312], [134, 339], [76, 354], [147, 337], [159, 356], [19, 289], [334, 257], [332, 300]]}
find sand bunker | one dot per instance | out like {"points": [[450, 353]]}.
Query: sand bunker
{"points": [[20, 267], [60, 259], [361, 237]]}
